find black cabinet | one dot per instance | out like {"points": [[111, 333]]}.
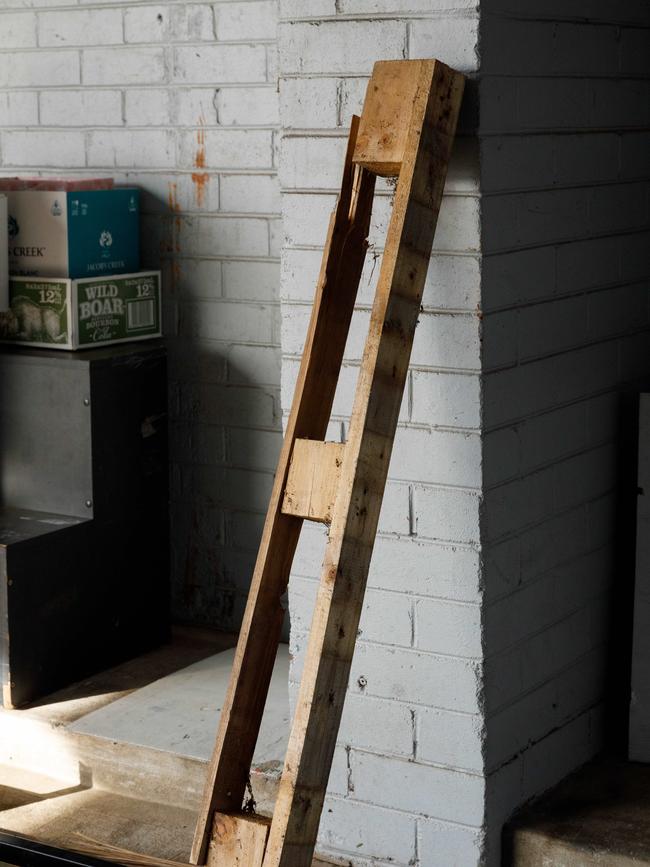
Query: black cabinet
{"points": [[84, 534]]}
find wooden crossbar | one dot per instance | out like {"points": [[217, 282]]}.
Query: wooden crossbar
{"points": [[313, 480], [406, 130]]}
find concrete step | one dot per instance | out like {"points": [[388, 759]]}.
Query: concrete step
{"points": [[145, 729], [597, 817], [121, 758]]}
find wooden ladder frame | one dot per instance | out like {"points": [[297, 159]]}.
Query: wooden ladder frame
{"points": [[406, 130]]}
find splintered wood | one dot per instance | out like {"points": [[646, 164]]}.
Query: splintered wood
{"points": [[406, 130], [381, 141]]}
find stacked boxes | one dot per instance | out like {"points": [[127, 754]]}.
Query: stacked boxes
{"points": [[74, 255]]}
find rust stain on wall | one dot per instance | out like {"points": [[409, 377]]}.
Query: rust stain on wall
{"points": [[200, 180], [199, 158], [171, 196], [174, 244], [167, 240]]}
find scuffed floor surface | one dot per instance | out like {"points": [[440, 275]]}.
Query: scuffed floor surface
{"points": [[65, 820], [597, 817], [122, 757]]}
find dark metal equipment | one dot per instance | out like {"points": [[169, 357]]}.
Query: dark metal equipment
{"points": [[84, 564], [23, 852]]}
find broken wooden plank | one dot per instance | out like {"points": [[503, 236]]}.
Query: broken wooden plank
{"points": [[313, 480], [382, 136]]}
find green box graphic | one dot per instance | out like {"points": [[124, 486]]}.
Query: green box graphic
{"points": [[76, 314]]}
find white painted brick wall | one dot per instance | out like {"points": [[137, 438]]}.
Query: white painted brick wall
{"points": [[19, 28], [226, 64], [181, 99], [83, 27], [82, 108], [123, 66], [39, 68]]}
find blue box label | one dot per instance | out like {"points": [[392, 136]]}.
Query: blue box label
{"points": [[103, 232], [53, 233]]}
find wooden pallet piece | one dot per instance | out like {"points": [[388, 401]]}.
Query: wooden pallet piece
{"points": [[313, 480], [406, 129], [238, 841]]}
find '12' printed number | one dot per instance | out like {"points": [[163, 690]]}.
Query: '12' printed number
{"points": [[50, 296]]}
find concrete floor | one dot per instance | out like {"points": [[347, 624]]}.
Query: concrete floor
{"points": [[179, 713], [597, 817], [66, 820], [122, 756]]}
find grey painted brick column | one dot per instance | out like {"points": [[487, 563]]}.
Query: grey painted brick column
{"points": [[565, 111]]}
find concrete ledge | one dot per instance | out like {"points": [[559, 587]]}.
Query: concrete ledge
{"points": [[597, 817], [144, 730]]}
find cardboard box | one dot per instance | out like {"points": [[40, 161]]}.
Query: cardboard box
{"points": [[57, 184], [75, 234], [79, 314]]}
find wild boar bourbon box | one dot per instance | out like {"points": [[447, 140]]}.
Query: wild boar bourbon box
{"points": [[73, 233], [56, 313]]}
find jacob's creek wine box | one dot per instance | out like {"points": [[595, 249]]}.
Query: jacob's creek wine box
{"points": [[75, 234], [57, 313]]}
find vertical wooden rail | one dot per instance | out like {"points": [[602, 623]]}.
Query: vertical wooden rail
{"points": [[406, 129]]}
